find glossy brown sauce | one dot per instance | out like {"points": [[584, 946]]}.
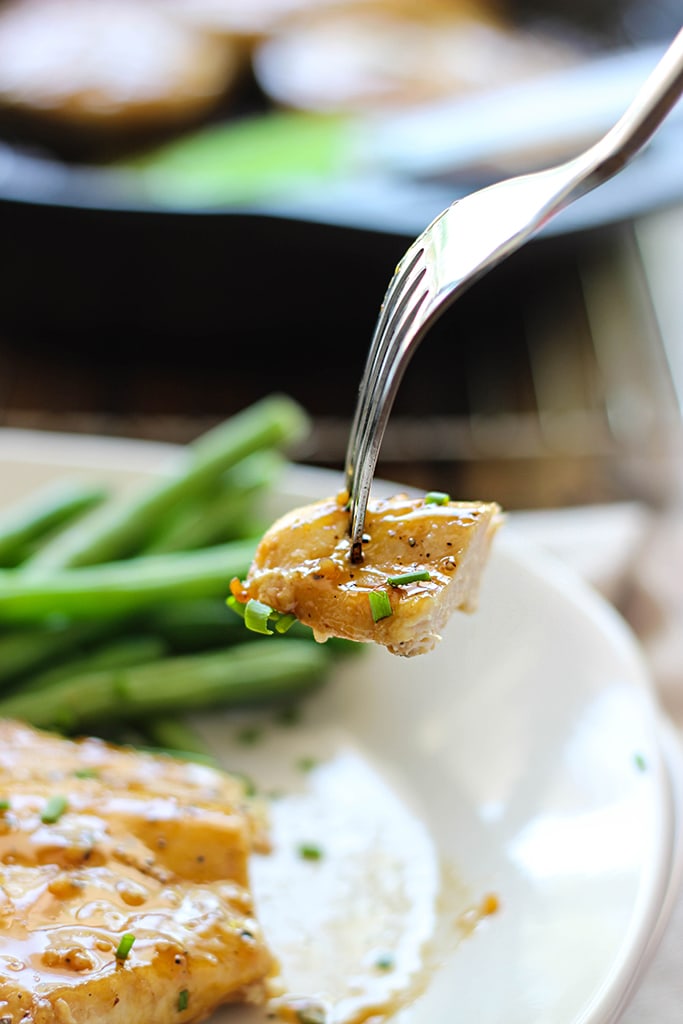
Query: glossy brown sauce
{"points": [[116, 858], [303, 566]]}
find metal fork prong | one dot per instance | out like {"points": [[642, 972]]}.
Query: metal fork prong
{"points": [[391, 312], [396, 295], [397, 343], [399, 293]]}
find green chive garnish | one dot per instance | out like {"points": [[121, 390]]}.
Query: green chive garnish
{"points": [[641, 763], [384, 962], [408, 577], [54, 809], [236, 605], [183, 999], [437, 498], [87, 773], [309, 851], [306, 764], [311, 1015], [290, 714], [248, 783], [249, 735], [256, 615], [125, 945], [4, 805], [380, 605], [284, 622]]}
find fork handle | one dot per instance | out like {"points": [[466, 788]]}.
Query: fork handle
{"points": [[653, 101], [538, 197]]}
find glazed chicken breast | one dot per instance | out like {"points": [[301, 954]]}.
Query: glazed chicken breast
{"points": [[422, 560], [123, 885], [73, 71]]}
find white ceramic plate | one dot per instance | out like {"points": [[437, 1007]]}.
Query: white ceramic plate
{"points": [[524, 757]]}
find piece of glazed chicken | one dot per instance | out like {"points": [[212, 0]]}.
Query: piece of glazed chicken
{"points": [[423, 559], [123, 885]]}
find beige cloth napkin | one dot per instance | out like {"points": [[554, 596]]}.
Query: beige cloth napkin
{"points": [[634, 557]]}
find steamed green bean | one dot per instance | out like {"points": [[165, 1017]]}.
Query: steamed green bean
{"points": [[121, 527], [28, 522], [244, 675], [115, 589]]}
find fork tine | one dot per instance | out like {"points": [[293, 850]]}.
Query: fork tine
{"points": [[393, 338], [396, 297], [386, 366]]}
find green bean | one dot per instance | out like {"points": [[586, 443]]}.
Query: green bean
{"points": [[26, 650], [174, 734], [121, 528], [218, 517], [129, 650], [192, 625], [248, 674], [116, 589], [27, 522]]}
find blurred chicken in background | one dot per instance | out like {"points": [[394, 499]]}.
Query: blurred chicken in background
{"points": [[79, 76], [364, 116]]}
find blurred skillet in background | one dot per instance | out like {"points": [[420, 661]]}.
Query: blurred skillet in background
{"points": [[247, 162]]}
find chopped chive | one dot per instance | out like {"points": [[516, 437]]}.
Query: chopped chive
{"points": [[125, 945], [380, 605], [87, 773], [256, 615], [641, 763], [408, 577], [183, 999], [310, 851], [437, 498], [384, 962], [306, 764], [290, 714], [249, 735], [284, 623], [247, 782], [53, 810], [4, 805], [311, 1015], [236, 605]]}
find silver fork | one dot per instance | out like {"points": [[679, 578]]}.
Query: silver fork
{"points": [[462, 244]]}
